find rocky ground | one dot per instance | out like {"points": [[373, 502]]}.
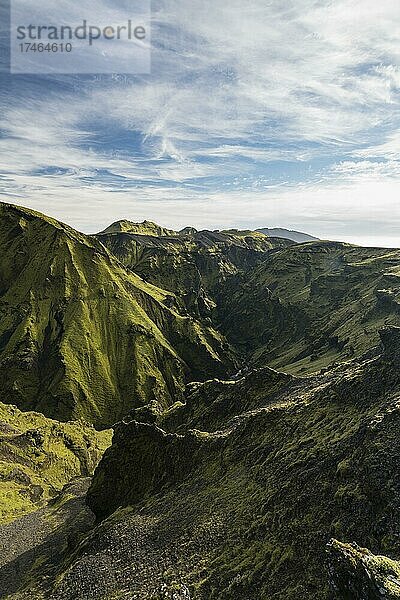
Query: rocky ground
{"points": [[238, 494], [31, 548]]}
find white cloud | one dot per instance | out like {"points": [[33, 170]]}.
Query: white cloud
{"points": [[368, 170], [232, 85], [358, 210]]}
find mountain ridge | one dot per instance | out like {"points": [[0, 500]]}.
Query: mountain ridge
{"points": [[290, 234], [59, 351], [252, 384], [153, 229]]}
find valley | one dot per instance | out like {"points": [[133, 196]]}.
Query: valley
{"points": [[196, 415]]}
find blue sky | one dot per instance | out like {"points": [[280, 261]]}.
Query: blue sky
{"points": [[266, 113]]}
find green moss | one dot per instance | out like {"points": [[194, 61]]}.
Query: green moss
{"points": [[300, 308], [39, 456], [192, 266], [234, 486], [311, 305], [144, 228], [255, 476], [81, 337]]}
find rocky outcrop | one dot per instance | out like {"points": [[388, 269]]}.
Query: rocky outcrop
{"points": [[143, 228], [357, 574], [144, 459]]}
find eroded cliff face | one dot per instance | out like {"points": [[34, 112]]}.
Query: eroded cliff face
{"points": [[194, 265]]}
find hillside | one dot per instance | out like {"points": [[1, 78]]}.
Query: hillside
{"points": [[252, 384], [144, 228], [296, 307], [240, 492], [39, 456], [311, 305], [81, 337]]}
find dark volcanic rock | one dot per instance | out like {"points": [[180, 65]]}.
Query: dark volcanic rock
{"points": [[357, 574], [144, 460]]}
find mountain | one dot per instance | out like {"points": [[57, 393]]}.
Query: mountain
{"points": [[296, 307], [289, 234], [144, 228], [150, 228], [308, 306], [191, 264], [241, 491], [82, 337], [252, 385]]}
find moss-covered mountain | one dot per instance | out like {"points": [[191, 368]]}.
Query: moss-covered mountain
{"points": [[82, 337], [237, 493], [220, 483], [39, 456], [311, 305], [144, 228], [298, 307], [192, 264]]}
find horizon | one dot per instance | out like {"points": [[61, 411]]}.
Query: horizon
{"points": [[199, 228]]}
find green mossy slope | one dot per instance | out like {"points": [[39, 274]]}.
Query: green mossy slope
{"points": [[39, 456], [191, 264], [81, 337], [310, 305], [218, 489], [297, 307], [144, 228]]}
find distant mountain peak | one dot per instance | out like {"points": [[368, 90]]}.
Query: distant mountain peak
{"points": [[289, 234], [143, 228], [149, 228], [188, 231]]}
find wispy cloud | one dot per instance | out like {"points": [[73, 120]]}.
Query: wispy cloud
{"points": [[276, 108]]}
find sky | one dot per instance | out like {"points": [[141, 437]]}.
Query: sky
{"points": [[255, 114]]}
